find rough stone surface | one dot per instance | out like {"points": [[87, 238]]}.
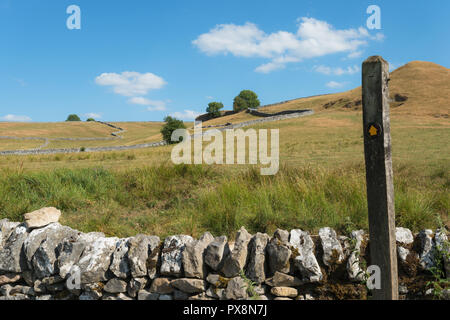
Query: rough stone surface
{"points": [[161, 286], [427, 246], [354, 270], [146, 295], [236, 289], [115, 285], [278, 255], [69, 251], [304, 258], [235, 261], [215, 253], [284, 292], [193, 257], [96, 259], [165, 297], [404, 236], [283, 280], [443, 245], [40, 248], [256, 267], [120, 266], [143, 255], [12, 258], [135, 285], [9, 278], [42, 217], [189, 285], [282, 235], [171, 256], [331, 247]]}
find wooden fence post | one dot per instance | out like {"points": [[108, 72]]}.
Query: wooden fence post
{"points": [[379, 176]]}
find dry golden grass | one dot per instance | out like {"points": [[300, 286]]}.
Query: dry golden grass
{"points": [[426, 84]]}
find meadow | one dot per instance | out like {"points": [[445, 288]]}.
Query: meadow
{"points": [[321, 182]]}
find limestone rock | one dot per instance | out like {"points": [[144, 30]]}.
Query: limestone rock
{"points": [[403, 236], [117, 297], [217, 280], [180, 295], [9, 278], [216, 251], [193, 256], [12, 257], [256, 267], [284, 292], [332, 249], [161, 286], [92, 291], [304, 258], [283, 280], [189, 285], [236, 289], [215, 293], [41, 247], [136, 285], [42, 217], [69, 251], [443, 245], [235, 261], [120, 266], [165, 297], [6, 227], [402, 254], [354, 270], [278, 255], [115, 285], [143, 255], [427, 246], [96, 259], [171, 256], [282, 235], [146, 295]]}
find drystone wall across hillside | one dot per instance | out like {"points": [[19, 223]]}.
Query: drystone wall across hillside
{"points": [[41, 259]]}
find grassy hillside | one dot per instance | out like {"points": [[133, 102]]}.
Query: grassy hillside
{"points": [[425, 84]]}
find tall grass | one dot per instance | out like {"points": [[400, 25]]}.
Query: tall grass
{"points": [[171, 199]]}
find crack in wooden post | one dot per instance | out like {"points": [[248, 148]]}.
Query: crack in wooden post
{"points": [[379, 175]]}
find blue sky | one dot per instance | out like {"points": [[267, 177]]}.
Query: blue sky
{"points": [[142, 60]]}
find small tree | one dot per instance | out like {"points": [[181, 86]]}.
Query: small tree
{"points": [[90, 119], [246, 99], [171, 125], [73, 117], [214, 109]]}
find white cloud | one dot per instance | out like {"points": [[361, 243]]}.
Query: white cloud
{"points": [[93, 115], [15, 118], [355, 54], [186, 114], [314, 38], [152, 105], [335, 84], [131, 83], [338, 71]]}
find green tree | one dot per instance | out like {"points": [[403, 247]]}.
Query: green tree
{"points": [[246, 99], [73, 117], [90, 119], [171, 125], [214, 109]]}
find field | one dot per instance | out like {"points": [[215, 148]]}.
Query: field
{"points": [[321, 181]]}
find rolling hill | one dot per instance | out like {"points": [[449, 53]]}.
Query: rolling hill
{"points": [[418, 88]]}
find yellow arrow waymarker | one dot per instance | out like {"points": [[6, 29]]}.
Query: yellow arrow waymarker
{"points": [[373, 131]]}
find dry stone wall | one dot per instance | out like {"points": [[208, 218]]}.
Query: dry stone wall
{"points": [[42, 260]]}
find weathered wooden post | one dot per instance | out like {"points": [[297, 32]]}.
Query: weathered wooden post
{"points": [[379, 176]]}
